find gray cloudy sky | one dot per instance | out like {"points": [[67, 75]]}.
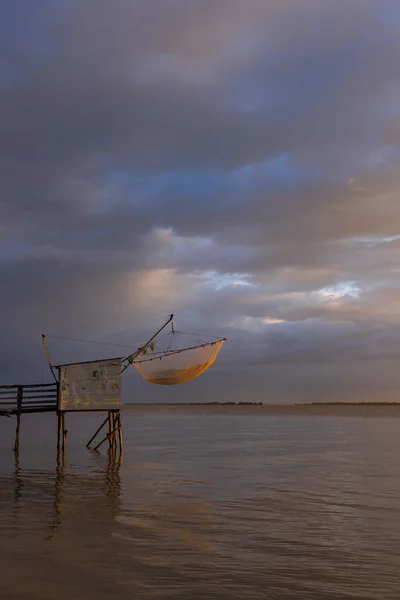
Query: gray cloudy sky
{"points": [[234, 162]]}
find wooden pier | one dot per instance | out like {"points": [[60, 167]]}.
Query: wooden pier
{"points": [[23, 399], [17, 400], [26, 399]]}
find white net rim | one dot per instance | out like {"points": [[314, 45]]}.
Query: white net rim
{"points": [[161, 355]]}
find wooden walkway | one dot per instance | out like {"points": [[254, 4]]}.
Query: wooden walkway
{"points": [[24, 399]]}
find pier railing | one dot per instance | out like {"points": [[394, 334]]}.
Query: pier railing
{"points": [[20, 399]]}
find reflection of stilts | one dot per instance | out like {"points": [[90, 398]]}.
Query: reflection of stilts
{"points": [[18, 484], [58, 493], [113, 476], [108, 480], [114, 427], [17, 472], [18, 429]]}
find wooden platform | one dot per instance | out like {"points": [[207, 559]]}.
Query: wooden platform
{"points": [[39, 398], [24, 399]]}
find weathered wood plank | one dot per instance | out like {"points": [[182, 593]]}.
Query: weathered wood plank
{"points": [[41, 396], [38, 403], [27, 386]]}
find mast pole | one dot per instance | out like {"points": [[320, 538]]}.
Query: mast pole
{"points": [[132, 357], [48, 356]]}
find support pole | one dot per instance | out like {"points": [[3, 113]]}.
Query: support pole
{"points": [[97, 432], [129, 359], [108, 437], [48, 357], [64, 431], [115, 428], [114, 435], [121, 443], [17, 432], [111, 440], [19, 410], [59, 431], [110, 428]]}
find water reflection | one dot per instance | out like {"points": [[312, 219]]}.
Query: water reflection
{"points": [[17, 486], [57, 527], [46, 499]]}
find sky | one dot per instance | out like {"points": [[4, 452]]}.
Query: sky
{"points": [[235, 163]]}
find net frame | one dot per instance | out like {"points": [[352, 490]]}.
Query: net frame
{"points": [[193, 361]]}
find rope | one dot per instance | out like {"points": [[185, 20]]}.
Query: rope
{"points": [[99, 343], [198, 335], [134, 327], [199, 338], [59, 337]]}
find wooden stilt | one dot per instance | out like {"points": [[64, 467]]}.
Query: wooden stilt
{"points": [[111, 431], [59, 431], [110, 428], [97, 432], [116, 428], [114, 435], [64, 432], [108, 437], [17, 432], [19, 410], [121, 443]]}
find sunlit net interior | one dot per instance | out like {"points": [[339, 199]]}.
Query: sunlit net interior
{"points": [[179, 366]]}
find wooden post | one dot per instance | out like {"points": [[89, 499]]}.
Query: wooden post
{"points": [[121, 443], [97, 432], [110, 428], [65, 431], [108, 437], [111, 440], [115, 427], [59, 431], [19, 410]]}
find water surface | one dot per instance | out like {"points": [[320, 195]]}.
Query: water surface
{"points": [[206, 503]]}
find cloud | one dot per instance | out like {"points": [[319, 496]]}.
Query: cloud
{"points": [[235, 163]]}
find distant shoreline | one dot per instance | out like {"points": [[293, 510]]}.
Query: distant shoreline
{"points": [[349, 404], [258, 409], [296, 404], [196, 404]]}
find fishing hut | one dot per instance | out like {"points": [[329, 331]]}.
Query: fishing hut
{"points": [[95, 386], [91, 386]]}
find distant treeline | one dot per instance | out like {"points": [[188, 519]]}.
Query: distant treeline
{"points": [[361, 403], [194, 403], [224, 403]]}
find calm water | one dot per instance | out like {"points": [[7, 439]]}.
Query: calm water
{"points": [[205, 504]]}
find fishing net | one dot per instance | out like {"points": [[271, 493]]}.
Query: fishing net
{"points": [[178, 366]]}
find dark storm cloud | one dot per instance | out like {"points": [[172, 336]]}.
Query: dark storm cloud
{"points": [[235, 162]]}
